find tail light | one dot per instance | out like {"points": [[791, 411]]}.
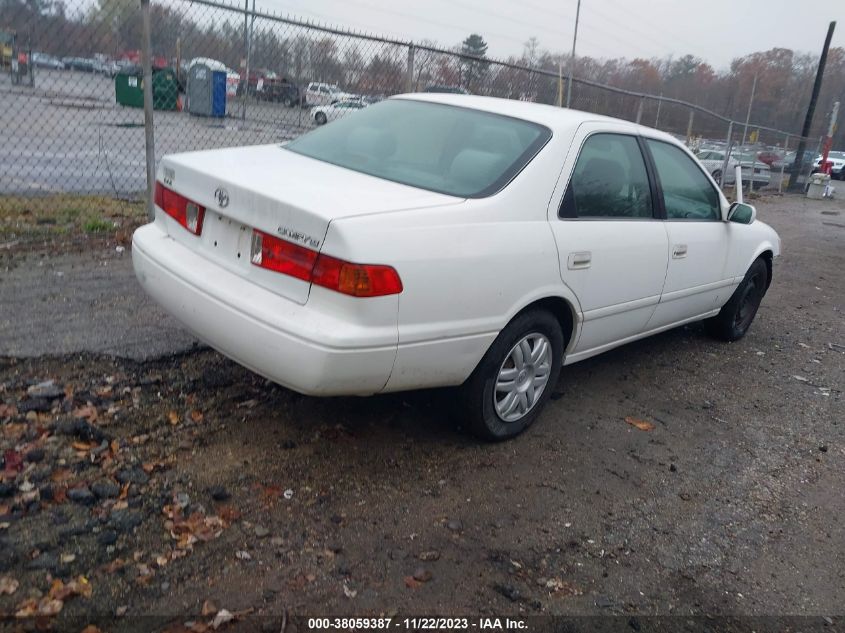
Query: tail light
{"points": [[186, 212], [357, 280]]}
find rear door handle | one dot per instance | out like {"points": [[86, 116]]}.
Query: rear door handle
{"points": [[679, 251], [577, 261]]}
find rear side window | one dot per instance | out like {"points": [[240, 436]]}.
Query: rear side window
{"points": [[687, 193], [609, 180]]}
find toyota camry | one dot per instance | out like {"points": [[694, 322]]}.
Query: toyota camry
{"points": [[442, 240]]}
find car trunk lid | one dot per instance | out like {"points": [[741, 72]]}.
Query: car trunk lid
{"points": [[278, 192]]}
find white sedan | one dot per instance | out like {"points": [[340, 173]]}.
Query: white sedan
{"points": [[329, 112], [462, 241]]}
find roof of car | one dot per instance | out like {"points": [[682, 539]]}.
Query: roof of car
{"points": [[554, 117]]}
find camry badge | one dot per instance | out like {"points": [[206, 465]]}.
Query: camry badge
{"points": [[222, 197]]}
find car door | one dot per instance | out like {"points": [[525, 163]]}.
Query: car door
{"points": [[612, 248], [696, 281]]}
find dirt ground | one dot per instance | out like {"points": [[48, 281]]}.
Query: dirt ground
{"points": [[182, 485]]}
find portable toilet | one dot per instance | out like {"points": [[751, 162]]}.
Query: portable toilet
{"points": [[206, 90]]}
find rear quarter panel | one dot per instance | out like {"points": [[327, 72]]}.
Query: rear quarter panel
{"points": [[466, 270]]}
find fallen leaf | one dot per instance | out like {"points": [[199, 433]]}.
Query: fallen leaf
{"points": [[8, 410], [13, 460], [115, 565], [412, 583], [88, 412], [196, 415], [642, 425], [45, 607], [223, 617], [91, 628], [60, 474], [8, 585], [208, 608], [84, 446], [173, 418]]}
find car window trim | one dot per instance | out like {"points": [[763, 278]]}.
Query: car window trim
{"points": [[660, 200], [568, 195]]}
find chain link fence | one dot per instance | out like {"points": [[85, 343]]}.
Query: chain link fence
{"points": [[226, 75]]}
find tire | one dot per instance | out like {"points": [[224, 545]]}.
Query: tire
{"points": [[287, 102], [736, 316], [717, 174], [320, 118], [483, 407]]}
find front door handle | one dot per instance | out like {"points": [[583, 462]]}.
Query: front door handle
{"points": [[679, 251], [578, 261]]}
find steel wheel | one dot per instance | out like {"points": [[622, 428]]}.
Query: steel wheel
{"points": [[749, 301], [523, 377]]}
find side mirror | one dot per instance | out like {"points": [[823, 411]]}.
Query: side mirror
{"points": [[742, 213]]}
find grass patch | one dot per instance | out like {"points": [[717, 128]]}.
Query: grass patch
{"points": [[97, 225], [65, 214]]}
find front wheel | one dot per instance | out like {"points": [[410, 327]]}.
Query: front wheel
{"points": [[320, 118], [717, 175], [512, 383], [736, 315]]}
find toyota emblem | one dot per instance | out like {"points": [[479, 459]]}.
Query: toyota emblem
{"points": [[222, 197]]}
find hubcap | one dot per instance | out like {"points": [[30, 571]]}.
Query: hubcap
{"points": [[523, 377]]}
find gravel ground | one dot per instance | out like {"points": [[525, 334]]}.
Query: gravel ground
{"points": [[184, 484]]}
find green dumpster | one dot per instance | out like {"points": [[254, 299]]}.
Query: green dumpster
{"points": [[165, 89], [129, 88]]}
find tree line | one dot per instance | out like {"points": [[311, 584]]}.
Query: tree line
{"points": [[111, 27]]}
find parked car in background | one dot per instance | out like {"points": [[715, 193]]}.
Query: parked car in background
{"points": [[837, 170], [272, 87], [457, 90], [447, 251], [770, 156], [753, 170], [325, 113], [322, 94], [43, 60], [107, 67], [714, 161], [83, 64], [788, 161]]}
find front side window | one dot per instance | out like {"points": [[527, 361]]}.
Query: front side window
{"points": [[448, 149], [687, 193], [609, 180]]}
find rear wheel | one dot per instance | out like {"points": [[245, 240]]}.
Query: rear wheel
{"points": [[320, 118], [737, 314], [512, 383], [717, 175]]}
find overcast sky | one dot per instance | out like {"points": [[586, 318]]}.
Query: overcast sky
{"points": [[715, 30]]}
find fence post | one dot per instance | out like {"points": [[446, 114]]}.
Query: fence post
{"points": [[409, 80], [657, 116], [689, 125], [640, 110], [248, 47], [149, 135], [783, 162], [727, 159]]}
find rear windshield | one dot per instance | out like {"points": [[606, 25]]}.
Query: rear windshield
{"points": [[448, 149]]}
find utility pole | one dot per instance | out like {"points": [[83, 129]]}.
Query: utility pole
{"points": [[572, 58], [748, 112], [811, 110]]}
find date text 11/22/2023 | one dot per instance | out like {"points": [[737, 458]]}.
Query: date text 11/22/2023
{"points": [[416, 624]]}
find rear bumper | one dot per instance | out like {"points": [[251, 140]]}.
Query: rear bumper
{"points": [[297, 346]]}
